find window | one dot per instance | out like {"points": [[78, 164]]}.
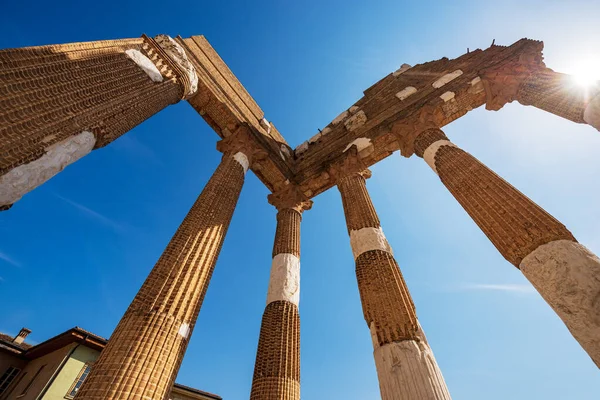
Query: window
{"points": [[79, 381], [31, 381], [7, 378]]}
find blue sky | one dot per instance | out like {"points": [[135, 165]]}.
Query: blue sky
{"points": [[76, 250]]}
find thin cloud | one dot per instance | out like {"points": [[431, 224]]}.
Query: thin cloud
{"points": [[136, 148], [96, 216], [5, 257], [499, 287]]}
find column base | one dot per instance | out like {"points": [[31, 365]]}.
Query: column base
{"points": [[407, 370], [567, 275]]}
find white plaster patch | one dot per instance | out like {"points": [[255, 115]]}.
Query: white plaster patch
{"points": [[178, 55], [360, 143], [476, 86], [408, 370], [447, 78], [356, 121], [184, 330], [145, 64], [367, 239], [591, 115], [301, 148], [567, 275], [20, 180], [266, 124], [284, 283], [340, 118], [403, 68], [429, 153], [447, 96], [242, 159], [406, 92]]}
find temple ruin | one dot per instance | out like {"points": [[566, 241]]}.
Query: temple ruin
{"points": [[60, 102]]}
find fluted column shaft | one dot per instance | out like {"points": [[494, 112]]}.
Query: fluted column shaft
{"points": [[406, 367], [145, 351], [277, 367], [59, 102], [565, 273], [559, 94]]}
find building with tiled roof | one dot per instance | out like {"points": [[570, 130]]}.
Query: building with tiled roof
{"points": [[56, 368]]}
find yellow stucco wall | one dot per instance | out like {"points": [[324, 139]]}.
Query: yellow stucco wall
{"points": [[65, 378], [51, 362]]}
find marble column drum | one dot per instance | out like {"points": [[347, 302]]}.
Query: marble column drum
{"points": [[277, 366], [144, 353], [405, 364], [564, 272]]}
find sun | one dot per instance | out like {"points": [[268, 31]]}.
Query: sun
{"points": [[586, 72]]}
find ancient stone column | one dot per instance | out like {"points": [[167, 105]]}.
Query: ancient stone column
{"points": [[530, 83], [144, 353], [564, 272], [59, 102], [277, 367], [559, 94], [406, 367]]}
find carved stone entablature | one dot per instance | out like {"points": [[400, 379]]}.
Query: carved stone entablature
{"points": [[350, 164], [290, 197], [407, 130], [241, 140], [502, 81], [172, 62], [160, 59], [183, 66]]}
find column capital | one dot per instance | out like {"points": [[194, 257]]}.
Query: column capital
{"points": [[502, 81], [406, 130], [426, 138], [176, 57], [350, 164], [290, 197], [241, 141]]}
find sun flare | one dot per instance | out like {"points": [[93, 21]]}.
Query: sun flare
{"points": [[586, 71]]}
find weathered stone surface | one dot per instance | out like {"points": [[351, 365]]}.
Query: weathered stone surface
{"points": [[403, 68], [49, 95], [284, 283], [356, 121], [408, 370], [277, 367], [406, 92], [447, 78], [367, 239], [430, 152], [178, 55], [567, 275], [145, 64], [26, 177]]}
